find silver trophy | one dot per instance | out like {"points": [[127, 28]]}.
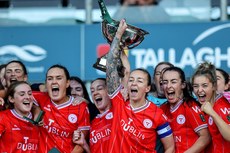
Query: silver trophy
{"points": [[131, 38]]}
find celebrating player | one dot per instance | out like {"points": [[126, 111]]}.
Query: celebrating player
{"points": [[16, 133], [61, 117], [136, 122], [215, 106], [190, 129]]}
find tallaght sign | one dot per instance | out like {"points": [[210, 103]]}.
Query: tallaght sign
{"points": [[188, 56], [150, 57]]}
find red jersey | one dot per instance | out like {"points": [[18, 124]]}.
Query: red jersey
{"points": [[185, 121], [100, 132], [222, 108], [60, 121], [17, 135], [136, 129]]}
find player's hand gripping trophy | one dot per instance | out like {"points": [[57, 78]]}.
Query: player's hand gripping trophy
{"points": [[131, 38]]}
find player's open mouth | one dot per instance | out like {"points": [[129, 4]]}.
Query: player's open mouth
{"points": [[13, 80], [134, 92], [202, 98], [55, 90], [27, 103], [171, 94], [98, 100]]}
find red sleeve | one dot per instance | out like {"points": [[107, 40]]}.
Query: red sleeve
{"points": [[222, 107], [161, 117], [2, 122], [196, 117], [84, 122], [40, 98]]}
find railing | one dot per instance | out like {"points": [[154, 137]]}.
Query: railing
{"points": [[86, 11]]}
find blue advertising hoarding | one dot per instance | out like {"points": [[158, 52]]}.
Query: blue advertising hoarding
{"points": [[183, 44], [39, 47], [78, 46]]}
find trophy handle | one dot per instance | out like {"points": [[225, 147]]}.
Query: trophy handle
{"points": [[104, 12]]}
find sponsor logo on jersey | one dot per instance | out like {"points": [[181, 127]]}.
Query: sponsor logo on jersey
{"points": [[225, 110], [109, 116], [97, 135], [177, 138], [127, 126], [72, 118], [55, 130], [180, 119], [26, 145], [147, 123], [196, 109]]}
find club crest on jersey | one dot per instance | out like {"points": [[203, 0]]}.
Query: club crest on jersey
{"points": [[109, 116], [72, 118], [210, 120], [147, 123], [180, 119]]}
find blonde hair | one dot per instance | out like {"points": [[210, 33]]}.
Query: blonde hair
{"points": [[208, 70]]}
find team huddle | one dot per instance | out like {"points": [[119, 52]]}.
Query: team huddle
{"points": [[128, 113]]}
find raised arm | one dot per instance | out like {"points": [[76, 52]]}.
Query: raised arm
{"points": [[125, 79], [112, 62], [220, 123]]}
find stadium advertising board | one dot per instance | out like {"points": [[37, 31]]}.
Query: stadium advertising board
{"points": [[77, 47]]}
